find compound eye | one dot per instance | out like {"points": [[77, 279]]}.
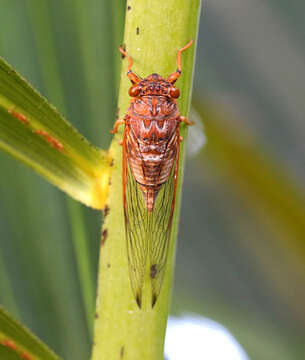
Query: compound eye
{"points": [[174, 92], [134, 91]]}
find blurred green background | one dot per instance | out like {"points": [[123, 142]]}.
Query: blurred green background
{"points": [[241, 249]]}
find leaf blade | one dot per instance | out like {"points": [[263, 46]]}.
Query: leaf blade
{"points": [[35, 133], [16, 339]]}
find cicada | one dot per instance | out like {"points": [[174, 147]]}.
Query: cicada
{"points": [[151, 144]]}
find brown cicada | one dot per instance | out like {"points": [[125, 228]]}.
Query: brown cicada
{"points": [[150, 166]]}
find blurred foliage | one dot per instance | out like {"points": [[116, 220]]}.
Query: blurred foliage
{"points": [[241, 252], [17, 342], [66, 50]]}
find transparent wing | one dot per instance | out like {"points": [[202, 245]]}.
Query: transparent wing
{"points": [[159, 229], [136, 222], [147, 233]]}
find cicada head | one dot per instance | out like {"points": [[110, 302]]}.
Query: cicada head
{"points": [[154, 84]]}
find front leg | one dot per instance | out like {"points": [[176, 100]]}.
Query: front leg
{"points": [[117, 124]]}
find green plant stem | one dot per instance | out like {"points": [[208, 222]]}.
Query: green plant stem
{"points": [[154, 31]]}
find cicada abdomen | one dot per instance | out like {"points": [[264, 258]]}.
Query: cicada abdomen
{"points": [[150, 166]]}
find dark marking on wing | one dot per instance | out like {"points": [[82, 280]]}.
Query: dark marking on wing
{"points": [[153, 271]]}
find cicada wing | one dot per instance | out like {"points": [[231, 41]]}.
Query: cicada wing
{"points": [[160, 224], [136, 222], [148, 232]]}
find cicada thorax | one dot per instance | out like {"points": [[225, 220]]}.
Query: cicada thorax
{"points": [[152, 137]]}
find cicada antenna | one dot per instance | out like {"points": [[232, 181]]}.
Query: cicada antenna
{"points": [[131, 75]]}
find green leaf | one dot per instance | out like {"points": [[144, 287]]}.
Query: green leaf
{"points": [[34, 132], [18, 343]]}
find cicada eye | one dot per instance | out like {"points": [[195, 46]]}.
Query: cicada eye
{"points": [[174, 92], [134, 91]]}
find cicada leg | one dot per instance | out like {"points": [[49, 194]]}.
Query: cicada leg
{"points": [[117, 124], [186, 121]]}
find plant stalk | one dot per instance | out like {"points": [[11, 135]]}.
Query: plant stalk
{"points": [[154, 31]]}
